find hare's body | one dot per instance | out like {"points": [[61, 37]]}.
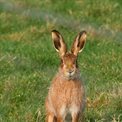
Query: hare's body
{"points": [[66, 95]]}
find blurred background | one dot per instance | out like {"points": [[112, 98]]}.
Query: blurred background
{"points": [[28, 60]]}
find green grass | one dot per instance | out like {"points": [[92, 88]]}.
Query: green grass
{"points": [[27, 56]]}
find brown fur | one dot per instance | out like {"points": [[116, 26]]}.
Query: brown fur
{"points": [[66, 94]]}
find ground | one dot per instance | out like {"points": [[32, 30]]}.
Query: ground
{"points": [[28, 60]]}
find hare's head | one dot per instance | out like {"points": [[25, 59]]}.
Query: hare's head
{"points": [[68, 66]]}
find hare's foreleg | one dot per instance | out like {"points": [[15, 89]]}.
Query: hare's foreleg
{"points": [[75, 117], [50, 118], [75, 113]]}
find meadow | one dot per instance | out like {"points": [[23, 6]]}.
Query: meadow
{"points": [[28, 60]]}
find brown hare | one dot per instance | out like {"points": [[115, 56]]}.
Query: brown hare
{"points": [[66, 96]]}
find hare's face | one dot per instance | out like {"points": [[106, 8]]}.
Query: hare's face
{"points": [[69, 60], [69, 65]]}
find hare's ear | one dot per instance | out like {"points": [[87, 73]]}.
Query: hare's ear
{"points": [[59, 43], [79, 43]]}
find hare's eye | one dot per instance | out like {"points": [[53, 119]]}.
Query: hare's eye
{"points": [[63, 61], [74, 62]]}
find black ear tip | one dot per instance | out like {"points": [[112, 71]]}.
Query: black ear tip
{"points": [[83, 32], [55, 31]]}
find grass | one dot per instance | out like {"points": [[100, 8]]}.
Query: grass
{"points": [[27, 56]]}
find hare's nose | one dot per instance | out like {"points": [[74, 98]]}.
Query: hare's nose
{"points": [[70, 71]]}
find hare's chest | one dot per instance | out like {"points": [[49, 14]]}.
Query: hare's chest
{"points": [[69, 91]]}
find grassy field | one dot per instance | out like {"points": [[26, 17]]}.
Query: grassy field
{"points": [[28, 60]]}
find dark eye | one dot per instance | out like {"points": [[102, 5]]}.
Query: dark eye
{"points": [[62, 61], [74, 62]]}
